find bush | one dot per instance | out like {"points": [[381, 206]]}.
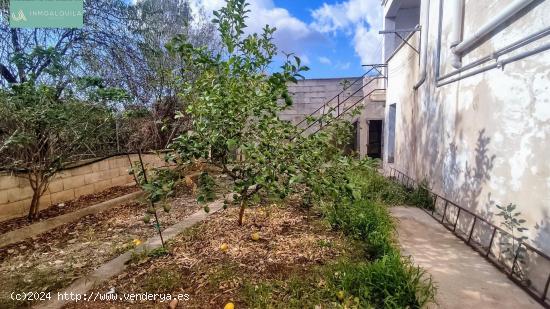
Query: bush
{"points": [[376, 187], [421, 196], [364, 220], [389, 282]]}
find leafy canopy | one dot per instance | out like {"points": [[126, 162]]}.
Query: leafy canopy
{"points": [[235, 103]]}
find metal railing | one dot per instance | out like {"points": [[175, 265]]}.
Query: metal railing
{"points": [[341, 99], [341, 108], [344, 111], [514, 270]]}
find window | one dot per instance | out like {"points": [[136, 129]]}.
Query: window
{"points": [[391, 133]]}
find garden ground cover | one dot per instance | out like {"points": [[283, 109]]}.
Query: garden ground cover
{"points": [[69, 206], [54, 259], [292, 242], [330, 256]]}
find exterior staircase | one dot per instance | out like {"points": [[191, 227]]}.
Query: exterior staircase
{"points": [[373, 87]]}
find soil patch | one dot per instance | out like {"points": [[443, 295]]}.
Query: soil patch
{"points": [[290, 243], [66, 207], [54, 259]]}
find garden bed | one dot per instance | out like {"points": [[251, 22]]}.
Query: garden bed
{"points": [[67, 207], [338, 254], [54, 259], [292, 244]]}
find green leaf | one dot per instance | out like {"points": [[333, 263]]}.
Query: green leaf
{"points": [[231, 144]]}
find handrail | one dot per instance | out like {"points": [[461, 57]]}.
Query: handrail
{"points": [[373, 67], [539, 296], [347, 109], [343, 102]]}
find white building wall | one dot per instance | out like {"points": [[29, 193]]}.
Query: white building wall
{"points": [[481, 140]]}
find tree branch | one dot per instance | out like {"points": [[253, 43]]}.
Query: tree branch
{"points": [[18, 51], [7, 75]]}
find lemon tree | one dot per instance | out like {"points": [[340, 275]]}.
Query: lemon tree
{"points": [[235, 103]]}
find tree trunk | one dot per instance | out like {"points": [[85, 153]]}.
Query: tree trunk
{"points": [[33, 210], [241, 211], [39, 186]]}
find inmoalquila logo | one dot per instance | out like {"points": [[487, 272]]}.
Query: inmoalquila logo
{"points": [[19, 17], [46, 13]]}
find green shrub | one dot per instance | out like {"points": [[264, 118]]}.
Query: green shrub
{"points": [[163, 280], [421, 196], [389, 282], [376, 187], [364, 220]]}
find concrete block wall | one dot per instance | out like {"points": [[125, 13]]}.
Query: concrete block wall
{"points": [[310, 94], [16, 193]]}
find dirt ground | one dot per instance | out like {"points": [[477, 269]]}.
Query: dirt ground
{"points": [[56, 258], [66, 207], [290, 242], [463, 277]]}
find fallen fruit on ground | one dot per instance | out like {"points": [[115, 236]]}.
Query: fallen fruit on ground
{"points": [[229, 306], [173, 304], [340, 295], [224, 247], [255, 236]]}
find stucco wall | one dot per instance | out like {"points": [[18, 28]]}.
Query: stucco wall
{"points": [[374, 106], [16, 193], [482, 140]]}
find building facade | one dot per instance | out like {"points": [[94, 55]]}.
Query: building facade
{"points": [[468, 104]]}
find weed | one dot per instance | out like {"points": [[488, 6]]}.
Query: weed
{"points": [[36, 280], [388, 282], [142, 256], [295, 293], [257, 295], [324, 243], [193, 233], [364, 220], [163, 280], [376, 187], [223, 273], [510, 244], [421, 196]]}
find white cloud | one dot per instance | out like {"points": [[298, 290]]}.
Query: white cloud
{"points": [[325, 60], [291, 32], [360, 19], [368, 45], [343, 66]]}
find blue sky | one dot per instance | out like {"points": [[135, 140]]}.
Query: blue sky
{"points": [[333, 54], [332, 37]]}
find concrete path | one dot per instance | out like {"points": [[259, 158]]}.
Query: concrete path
{"points": [[464, 278], [118, 264], [50, 224]]}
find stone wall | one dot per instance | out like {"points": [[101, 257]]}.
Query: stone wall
{"points": [[16, 193]]}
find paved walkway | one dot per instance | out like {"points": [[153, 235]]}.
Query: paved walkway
{"points": [[464, 278]]}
